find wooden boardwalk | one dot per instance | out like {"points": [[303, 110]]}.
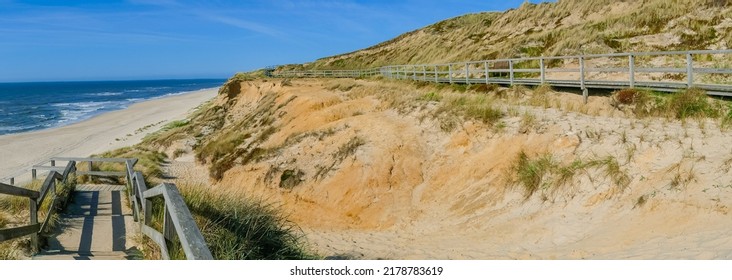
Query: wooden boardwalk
{"points": [[97, 224]]}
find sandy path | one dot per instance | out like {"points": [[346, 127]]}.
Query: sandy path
{"points": [[99, 134]]}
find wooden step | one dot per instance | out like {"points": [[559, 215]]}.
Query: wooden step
{"points": [[84, 256]]}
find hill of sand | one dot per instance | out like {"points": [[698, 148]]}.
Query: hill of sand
{"points": [[377, 169], [564, 27]]}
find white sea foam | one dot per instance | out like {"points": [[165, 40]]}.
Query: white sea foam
{"points": [[11, 128], [71, 112], [106, 93]]}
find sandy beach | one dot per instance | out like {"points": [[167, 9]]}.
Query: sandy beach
{"points": [[99, 134]]}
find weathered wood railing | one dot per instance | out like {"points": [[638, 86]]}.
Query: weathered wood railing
{"points": [[177, 218], [663, 71], [36, 200], [326, 73]]}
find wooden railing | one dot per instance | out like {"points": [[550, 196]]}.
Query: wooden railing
{"points": [[662, 71], [177, 218], [326, 73], [36, 199]]}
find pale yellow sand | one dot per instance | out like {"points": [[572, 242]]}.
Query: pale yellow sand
{"points": [[18, 152]]}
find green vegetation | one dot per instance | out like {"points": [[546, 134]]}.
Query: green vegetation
{"points": [[14, 212], [234, 227], [548, 29], [470, 106], [238, 228], [682, 105], [149, 162], [543, 172], [431, 96]]}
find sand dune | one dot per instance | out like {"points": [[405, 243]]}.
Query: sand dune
{"points": [[415, 191]]}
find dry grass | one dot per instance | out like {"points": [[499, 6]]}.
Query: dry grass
{"points": [[561, 28], [686, 104], [14, 212], [543, 172]]}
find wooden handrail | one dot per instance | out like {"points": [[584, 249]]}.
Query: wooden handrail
{"points": [[36, 199], [177, 219], [17, 191], [473, 74]]}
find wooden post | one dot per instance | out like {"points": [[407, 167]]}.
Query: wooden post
{"points": [[449, 72], [631, 70], [543, 70], [510, 70], [689, 70], [467, 73], [168, 228], [487, 74], [582, 78], [53, 163], [90, 166], [436, 79], [414, 73], [33, 221], [424, 73], [33, 173]]}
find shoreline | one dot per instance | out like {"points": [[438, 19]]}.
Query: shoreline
{"points": [[100, 133]]}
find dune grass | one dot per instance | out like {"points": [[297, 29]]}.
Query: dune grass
{"points": [[686, 104], [15, 211], [543, 172], [234, 227]]}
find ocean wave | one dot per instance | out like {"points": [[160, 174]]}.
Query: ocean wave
{"points": [[106, 93], [71, 112], [11, 129]]}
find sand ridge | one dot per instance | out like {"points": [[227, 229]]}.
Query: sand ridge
{"points": [[415, 191]]}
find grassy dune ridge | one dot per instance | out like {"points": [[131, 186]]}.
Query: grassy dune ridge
{"points": [[550, 29]]}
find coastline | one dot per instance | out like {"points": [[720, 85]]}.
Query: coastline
{"points": [[103, 132]]}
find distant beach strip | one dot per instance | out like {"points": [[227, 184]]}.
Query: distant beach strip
{"points": [[39, 105]]}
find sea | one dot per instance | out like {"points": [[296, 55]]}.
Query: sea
{"points": [[30, 106]]}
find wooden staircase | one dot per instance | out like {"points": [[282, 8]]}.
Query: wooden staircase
{"points": [[96, 225]]}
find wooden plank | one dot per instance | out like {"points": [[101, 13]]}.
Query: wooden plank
{"points": [[103, 173], [190, 236], [157, 237], [47, 185], [81, 159], [70, 167], [51, 210], [18, 191], [53, 168], [34, 221], [156, 191], [12, 233], [146, 203], [168, 227]]}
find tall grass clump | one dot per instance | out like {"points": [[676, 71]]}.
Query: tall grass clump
{"points": [[692, 103], [531, 172], [543, 172], [234, 227], [638, 101], [14, 212], [238, 228], [476, 107], [149, 161]]}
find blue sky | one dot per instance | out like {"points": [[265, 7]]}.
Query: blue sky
{"points": [[153, 39]]}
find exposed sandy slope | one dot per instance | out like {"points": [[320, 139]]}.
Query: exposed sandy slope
{"points": [[414, 191], [104, 132]]}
